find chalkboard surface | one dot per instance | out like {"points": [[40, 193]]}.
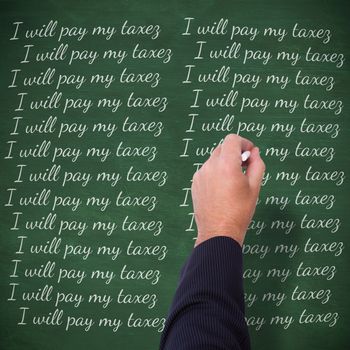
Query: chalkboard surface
{"points": [[107, 110]]}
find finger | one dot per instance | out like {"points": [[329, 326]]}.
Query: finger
{"points": [[255, 169], [233, 146]]}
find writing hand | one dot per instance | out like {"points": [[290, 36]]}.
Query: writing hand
{"points": [[224, 198]]}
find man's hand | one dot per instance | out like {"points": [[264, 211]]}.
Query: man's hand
{"points": [[224, 198]]}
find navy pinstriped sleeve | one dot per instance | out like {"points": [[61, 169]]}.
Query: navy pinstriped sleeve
{"points": [[207, 311]]}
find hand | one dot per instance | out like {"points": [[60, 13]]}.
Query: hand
{"points": [[224, 198]]}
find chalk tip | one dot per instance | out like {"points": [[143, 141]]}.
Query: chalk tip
{"points": [[245, 155]]}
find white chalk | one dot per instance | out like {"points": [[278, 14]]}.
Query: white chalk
{"points": [[245, 155]]}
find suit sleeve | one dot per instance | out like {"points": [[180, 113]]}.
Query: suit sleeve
{"points": [[207, 311]]}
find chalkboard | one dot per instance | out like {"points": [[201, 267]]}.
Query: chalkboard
{"points": [[107, 110]]}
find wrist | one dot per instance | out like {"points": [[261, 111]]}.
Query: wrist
{"points": [[236, 237]]}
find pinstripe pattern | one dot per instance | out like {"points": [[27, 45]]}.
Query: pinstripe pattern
{"points": [[208, 307]]}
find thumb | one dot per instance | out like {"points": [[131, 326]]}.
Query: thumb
{"points": [[255, 170]]}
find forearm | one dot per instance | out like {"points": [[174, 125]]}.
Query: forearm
{"points": [[208, 306]]}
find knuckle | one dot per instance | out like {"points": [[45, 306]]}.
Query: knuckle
{"points": [[231, 137]]}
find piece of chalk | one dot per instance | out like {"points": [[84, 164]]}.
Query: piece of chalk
{"points": [[245, 155]]}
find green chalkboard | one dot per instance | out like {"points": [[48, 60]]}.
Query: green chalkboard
{"points": [[109, 107]]}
